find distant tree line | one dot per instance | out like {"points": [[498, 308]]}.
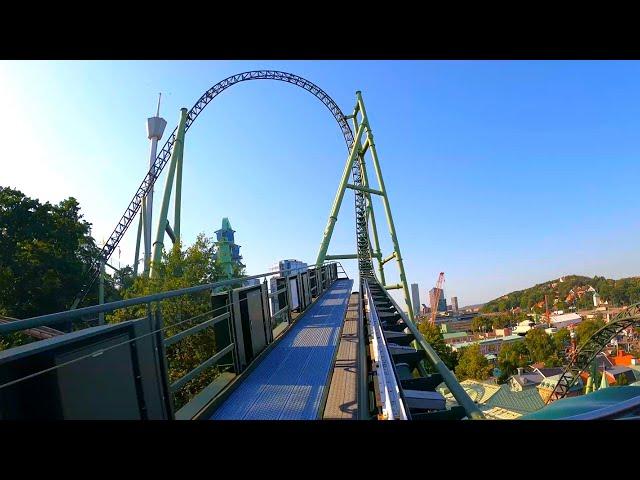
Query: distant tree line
{"points": [[624, 291]]}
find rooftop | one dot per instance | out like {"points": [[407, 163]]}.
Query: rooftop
{"points": [[526, 401], [566, 317], [528, 379]]}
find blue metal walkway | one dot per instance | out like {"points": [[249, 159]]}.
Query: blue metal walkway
{"points": [[290, 381]]}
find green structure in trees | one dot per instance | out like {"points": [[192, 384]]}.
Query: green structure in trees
{"points": [[227, 252]]}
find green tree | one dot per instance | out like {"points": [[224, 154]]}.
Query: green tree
{"points": [[501, 321], [512, 356], [46, 252], [181, 269], [540, 346], [561, 340], [585, 329], [472, 364], [433, 336], [481, 323]]}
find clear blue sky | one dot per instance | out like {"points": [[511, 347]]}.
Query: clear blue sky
{"points": [[501, 174]]}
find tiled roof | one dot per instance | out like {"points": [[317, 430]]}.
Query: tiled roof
{"points": [[497, 413], [528, 379], [479, 392], [526, 401], [550, 371]]}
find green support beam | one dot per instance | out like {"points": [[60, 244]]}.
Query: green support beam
{"points": [[389, 258], [376, 242], [335, 209], [387, 207], [365, 189], [135, 262], [178, 197], [395, 286], [178, 148], [357, 152]]}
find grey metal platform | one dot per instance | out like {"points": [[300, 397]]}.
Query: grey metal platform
{"points": [[291, 381]]}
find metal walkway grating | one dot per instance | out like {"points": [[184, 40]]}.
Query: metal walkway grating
{"points": [[290, 381]]}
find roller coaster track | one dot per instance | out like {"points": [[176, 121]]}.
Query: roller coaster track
{"points": [[362, 230], [594, 345]]}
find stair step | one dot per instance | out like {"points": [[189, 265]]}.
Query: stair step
{"points": [[407, 355], [399, 338], [393, 327], [455, 413], [417, 400], [423, 383]]}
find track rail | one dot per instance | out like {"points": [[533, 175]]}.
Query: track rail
{"points": [[362, 231], [586, 354]]}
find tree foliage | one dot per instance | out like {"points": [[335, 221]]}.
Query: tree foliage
{"points": [[512, 356], [45, 254], [624, 291], [585, 329], [434, 337], [541, 347], [181, 269], [472, 364]]}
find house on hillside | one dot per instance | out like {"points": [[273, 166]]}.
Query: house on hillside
{"points": [[506, 404], [530, 379], [546, 387]]}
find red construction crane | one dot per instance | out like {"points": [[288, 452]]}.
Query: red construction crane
{"points": [[436, 298]]}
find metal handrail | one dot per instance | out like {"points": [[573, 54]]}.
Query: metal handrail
{"points": [[390, 391], [61, 317]]}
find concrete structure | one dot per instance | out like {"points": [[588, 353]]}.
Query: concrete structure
{"points": [[456, 323], [565, 320], [415, 298], [155, 129], [454, 304], [523, 327], [287, 267], [503, 332], [457, 337], [488, 345], [442, 302], [596, 299]]}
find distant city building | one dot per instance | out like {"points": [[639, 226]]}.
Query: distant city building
{"points": [[442, 302], [454, 304], [488, 345], [285, 268], [458, 323], [596, 299], [565, 320], [227, 252], [415, 298]]}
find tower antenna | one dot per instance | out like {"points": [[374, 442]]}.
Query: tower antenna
{"points": [[158, 110]]}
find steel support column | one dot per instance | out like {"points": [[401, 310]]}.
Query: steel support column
{"points": [[365, 182], [162, 219], [385, 201], [335, 209]]}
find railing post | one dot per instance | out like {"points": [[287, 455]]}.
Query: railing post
{"points": [[155, 319]]}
